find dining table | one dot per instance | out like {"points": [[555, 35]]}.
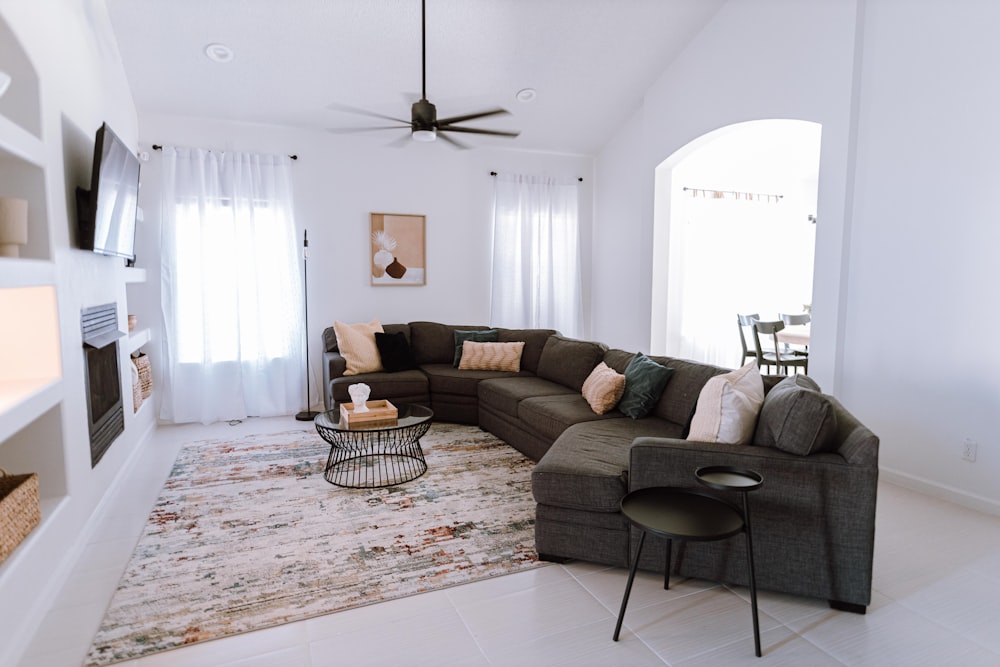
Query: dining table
{"points": [[794, 334]]}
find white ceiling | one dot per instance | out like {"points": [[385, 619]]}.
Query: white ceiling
{"points": [[590, 61]]}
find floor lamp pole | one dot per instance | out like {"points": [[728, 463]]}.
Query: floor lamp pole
{"points": [[307, 414]]}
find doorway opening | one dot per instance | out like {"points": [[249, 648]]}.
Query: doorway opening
{"points": [[734, 232]]}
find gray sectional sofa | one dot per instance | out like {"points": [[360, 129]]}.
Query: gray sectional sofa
{"points": [[814, 516]]}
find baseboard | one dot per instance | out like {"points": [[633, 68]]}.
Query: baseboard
{"points": [[942, 491]]}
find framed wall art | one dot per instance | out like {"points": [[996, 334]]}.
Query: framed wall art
{"points": [[398, 254]]}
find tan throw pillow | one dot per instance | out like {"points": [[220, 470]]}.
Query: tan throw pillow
{"points": [[356, 343], [603, 388], [491, 356], [728, 406]]}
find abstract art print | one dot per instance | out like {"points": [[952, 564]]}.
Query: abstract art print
{"points": [[398, 255]]}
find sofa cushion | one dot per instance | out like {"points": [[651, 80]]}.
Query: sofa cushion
{"points": [[728, 407], [394, 350], [434, 343], [356, 343], [568, 361], [462, 335], [504, 394], [411, 385], [491, 356], [534, 341], [446, 379], [549, 416], [645, 380], [797, 418], [679, 399], [603, 388]]}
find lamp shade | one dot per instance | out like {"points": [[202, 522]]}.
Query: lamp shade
{"points": [[13, 225]]}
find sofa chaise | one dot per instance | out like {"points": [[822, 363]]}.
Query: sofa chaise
{"points": [[814, 516]]}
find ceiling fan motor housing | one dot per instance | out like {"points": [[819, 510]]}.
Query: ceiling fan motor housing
{"points": [[424, 116]]}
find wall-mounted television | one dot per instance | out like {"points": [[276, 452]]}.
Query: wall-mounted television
{"points": [[107, 212]]}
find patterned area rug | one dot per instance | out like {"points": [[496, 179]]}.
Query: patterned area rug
{"points": [[247, 535]]}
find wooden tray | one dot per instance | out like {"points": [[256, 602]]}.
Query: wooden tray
{"points": [[380, 413]]}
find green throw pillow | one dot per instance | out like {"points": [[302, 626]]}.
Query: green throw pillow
{"points": [[645, 380], [484, 336]]}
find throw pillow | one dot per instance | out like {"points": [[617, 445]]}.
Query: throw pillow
{"points": [[484, 336], [356, 343], [603, 388], [797, 418], [491, 356], [728, 406], [645, 380], [395, 352]]}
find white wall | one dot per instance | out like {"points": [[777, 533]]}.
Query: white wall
{"points": [[906, 236], [338, 181]]}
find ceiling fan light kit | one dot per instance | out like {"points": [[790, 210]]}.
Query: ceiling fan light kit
{"points": [[424, 124]]}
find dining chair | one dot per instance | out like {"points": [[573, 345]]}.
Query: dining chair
{"points": [[746, 322], [782, 361], [800, 319]]}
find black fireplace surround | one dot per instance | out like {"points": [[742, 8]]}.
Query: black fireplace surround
{"points": [[105, 414]]}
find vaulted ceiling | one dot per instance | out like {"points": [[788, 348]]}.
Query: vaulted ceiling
{"points": [[298, 62]]}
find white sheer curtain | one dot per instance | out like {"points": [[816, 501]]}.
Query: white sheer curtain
{"points": [[231, 287], [536, 254]]}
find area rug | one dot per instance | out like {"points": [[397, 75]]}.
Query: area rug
{"points": [[247, 534]]}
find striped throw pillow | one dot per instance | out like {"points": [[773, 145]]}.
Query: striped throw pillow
{"points": [[491, 356], [603, 388], [356, 343]]}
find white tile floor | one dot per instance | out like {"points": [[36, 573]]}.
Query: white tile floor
{"points": [[936, 601]]}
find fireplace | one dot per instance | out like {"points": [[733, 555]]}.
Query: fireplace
{"points": [[104, 385]]}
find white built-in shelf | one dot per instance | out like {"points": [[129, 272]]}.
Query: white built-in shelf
{"points": [[25, 400], [23, 272], [20, 143], [137, 339]]}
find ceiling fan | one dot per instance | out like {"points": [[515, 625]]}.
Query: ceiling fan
{"points": [[424, 125]]}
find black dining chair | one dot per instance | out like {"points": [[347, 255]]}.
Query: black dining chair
{"points": [[782, 361], [745, 323]]}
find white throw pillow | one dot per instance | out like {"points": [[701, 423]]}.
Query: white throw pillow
{"points": [[356, 343], [728, 406]]}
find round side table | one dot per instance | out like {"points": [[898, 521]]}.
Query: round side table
{"points": [[696, 515]]}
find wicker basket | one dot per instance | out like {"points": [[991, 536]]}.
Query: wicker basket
{"points": [[145, 374], [136, 389], [19, 511]]}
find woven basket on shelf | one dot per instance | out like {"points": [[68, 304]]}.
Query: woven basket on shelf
{"points": [[136, 388], [19, 510], [145, 374]]}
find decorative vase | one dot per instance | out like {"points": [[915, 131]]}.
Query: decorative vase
{"points": [[382, 259], [359, 396], [395, 270], [13, 226]]}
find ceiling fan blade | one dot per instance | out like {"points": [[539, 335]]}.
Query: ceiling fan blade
{"points": [[456, 144], [364, 112], [473, 130], [472, 116], [351, 130]]}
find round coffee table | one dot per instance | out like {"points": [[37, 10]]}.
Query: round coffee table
{"points": [[372, 457], [692, 514]]}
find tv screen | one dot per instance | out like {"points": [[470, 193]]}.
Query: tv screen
{"points": [[109, 226]]}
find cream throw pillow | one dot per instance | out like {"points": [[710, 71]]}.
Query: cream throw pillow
{"points": [[356, 343], [491, 356], [603, 388], [728, 406]]}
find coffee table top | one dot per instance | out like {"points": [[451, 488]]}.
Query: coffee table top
{"points": [[681, 513], [409, 415]]}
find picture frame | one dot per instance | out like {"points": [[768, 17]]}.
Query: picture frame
{"points": [[397, 252]]}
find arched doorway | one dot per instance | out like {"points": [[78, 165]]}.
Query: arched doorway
{"points": [[734, 233]]}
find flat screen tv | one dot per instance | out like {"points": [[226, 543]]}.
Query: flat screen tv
{"points": [[107, 212]]}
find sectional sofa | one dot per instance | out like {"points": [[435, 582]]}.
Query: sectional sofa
{"points": [[814, 516]]}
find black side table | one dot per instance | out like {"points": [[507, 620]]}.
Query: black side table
{"points": [[691, 514]]}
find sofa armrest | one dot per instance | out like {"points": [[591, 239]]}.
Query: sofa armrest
{"points": [[334, 366]]}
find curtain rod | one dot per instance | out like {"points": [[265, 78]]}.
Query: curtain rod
{"points": [[157, 147], [720, 194], [493, 173]]}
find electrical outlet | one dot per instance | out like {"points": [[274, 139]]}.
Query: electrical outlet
{"points": [[969, 447]]}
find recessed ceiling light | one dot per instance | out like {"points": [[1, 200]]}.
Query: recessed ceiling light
{"points": [[220, 53], [526, 95]]}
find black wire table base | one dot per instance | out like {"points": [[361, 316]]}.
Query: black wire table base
{"points": [[373, 459]]}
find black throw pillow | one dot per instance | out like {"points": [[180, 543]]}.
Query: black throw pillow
{"points": [[395, 351]]}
